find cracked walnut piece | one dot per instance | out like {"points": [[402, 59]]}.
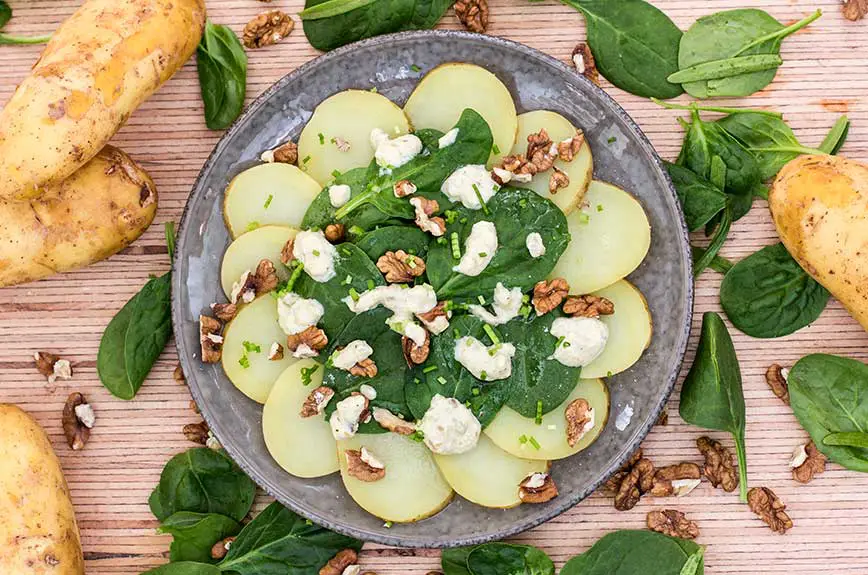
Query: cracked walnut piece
{"points": [[810, 462], [335, 233], [672, 523], [771, 510], [473, 14], [776, 377], [549, 295], [339, 562], [541, 151], [400, 267], [77, 419], [855, 9], [558, 180], [286, 256], [679, 480], [52, 367], [578, 415], [530, 490], [588, 306], [583, 60], [210, 339], [267, 28], [197, 432], [415, 354], [568, 149], [633, 483], [317, 401], [365, 368], [224, 311], [719, 467], [424, 209], [392, 422], [313, 337], [286, 153], [221, 548], [360, 469]]}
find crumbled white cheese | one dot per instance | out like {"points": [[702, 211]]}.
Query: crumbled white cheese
{"points": [[415, 332], [785, 373], [295, 313], [345, 420], [368, 391], [238, 286], [62, 370], [536, 480], [485, 363], [215, 338], [304, 351], [371, 460], [352, 570], [468, 183], [274, 350], [800, 456], [339, 194], [449, 427], [507, 303], [478, 249], [682, 487], [535, 246], [316, 253], [424, 221], [267, 156], [448, 138], [404, 302], [584, 339], [353, 353], [393, 153], [84, 413]]}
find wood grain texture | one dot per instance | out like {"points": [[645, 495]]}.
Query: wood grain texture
{"points": [[824, 75]]}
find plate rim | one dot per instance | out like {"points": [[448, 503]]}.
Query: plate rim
{"points": [[185, 357]]}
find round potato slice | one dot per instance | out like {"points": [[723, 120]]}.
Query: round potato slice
{"points": [[268, 194], [488, 475], [256, 324], [516, 434], [303, 446], [338, 135], [412, 489], [579, 171], [449, 89], [629, 330], [248, 250], [610, 238]]}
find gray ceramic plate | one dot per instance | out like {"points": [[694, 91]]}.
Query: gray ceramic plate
{"points": [[622, 156]]}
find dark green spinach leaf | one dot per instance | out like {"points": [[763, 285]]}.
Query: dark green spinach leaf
{"points": [[768, 294], [712, 396], [5, 16], [726, 68], [829, 395], [836, 137], [184, 568], [393, 238], [204, 481], [454, 561], [222, 66], [321, 212], [700, 199], [629, 552], [635, 45], [718, 263], [847, 439], [509, 559], [195, 533], [710, 252]]}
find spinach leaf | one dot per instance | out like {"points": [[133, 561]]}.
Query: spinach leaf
{"points": [[392, 238], [730, 34], [195, 533], [222, 65], [718, 263], [514, 213], [354, 270], [329, 24], [836, 137], [630, 552], [184, 568], [700, 199], [388, 355], [137, 334], [768, 294], [509, 559], [454, 561], [829, 395], [204, 481], [5, 16], [847, 439], [635, 45], [710, 252], [712, 396], [321, 212], [279, 542], [726, 68]]}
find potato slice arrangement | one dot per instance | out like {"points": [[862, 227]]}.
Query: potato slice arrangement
{"points": [[412, 418]]}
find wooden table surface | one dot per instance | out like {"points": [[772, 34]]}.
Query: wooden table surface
{"points": [[824, 75]]}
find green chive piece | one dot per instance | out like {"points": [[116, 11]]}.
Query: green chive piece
{"points": [[357, 231], [522, 203], [441, 240], [489, 331], [306, 159], [522, 439], [483, 375], [538, 419], [480, 299], [532, 440], [456, 248], [354, 294], [244, 362], [336, 174], [441, 380], [387, 524], [296, 273], [599, 207], [451, 215], [321, 139], [456, 333], [268, 201], [479, 197], [417, 436], [252, 225], [429, 369], [462, 221], [584, 218], [370, 284], [475, 391], [559, 342], [612, 140], [415, 68], [495, 149], [251, 347]]}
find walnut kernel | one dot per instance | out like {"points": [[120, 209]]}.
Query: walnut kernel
{"points": [[197, 432], [473, 14], [317, 401], [415, 354], [335, 233], [363, 470], [210, 341], [580, 420], [719, 467], [549, 295], [365, 368], [812, 463], [588, 306], [672, 523], [776, 378], [558, 180], [537, 488], [771, 510], [400, 267], [583, 60], [74, 428], [339, 562], [392, 422], [267, 28]]}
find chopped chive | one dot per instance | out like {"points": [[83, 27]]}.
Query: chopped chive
{"points": [[387, 524], [584, 218], [336, 174], [346, 252], [347, 281], [316, 253], [532, 440], [415, 68], [411, 261], [480, 299], [374, 91], [525, 298], [357, 231], [429, 369], [294, 277], [524, 311], [489, 331], [370, 284], [441, 380], [538, 419], [252, 225], [354, 294], [522, 439], [456, 333], [479, 197], [450, 216], [483, 254], [608, 374], [244, 362], [612, 140], [462, 221], [456, 248], [268, 201], [483, 375], [251, 347], [475, 391], [306, 159], [417, 436], [321, 139], [599, 207], [522, 203], [495, 149], [307, 373], [441, 240]]}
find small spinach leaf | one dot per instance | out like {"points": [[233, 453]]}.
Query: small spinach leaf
{"points": [[393, 238], [768, 294], [700, 199], [204, 481], [629, 552], [712, 395], [195, 533], [321, 212], [829, 395], [184, 568], [454, 561], [836, 137], [718, 263], [509, 559], [710, 252], [222, 66], [5, 16]]}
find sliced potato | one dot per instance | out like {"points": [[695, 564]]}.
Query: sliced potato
{"points": [[413, 487], [303, 446], [268, 194], [488, 475], [610, 238], [449, 89], [349, 117], [629, 330], [248, 250], [509, 426], [256, 324], [580, 170]]}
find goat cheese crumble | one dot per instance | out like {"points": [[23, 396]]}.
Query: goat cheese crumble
{"points": [[535, 246], [415, 332], [485, 363], [339, 194], [536, 480], [402, 301], [479, 249], [316, 253], [449, 427], [295, 313], [393, 153], [354, 352], [507, 303], [345, 420], [448, 138], [581, 340], [468, 184], [304, 351]]}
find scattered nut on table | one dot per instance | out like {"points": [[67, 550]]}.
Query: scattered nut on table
{"points": [[77, 419]]}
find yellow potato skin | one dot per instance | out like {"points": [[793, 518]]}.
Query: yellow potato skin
{"points": [[93, 214], [99, 66], [820, 208], [38, 534]]}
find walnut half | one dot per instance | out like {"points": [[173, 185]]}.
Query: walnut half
{"points": [[855, 9], [473, 14], [776, 378], [210, 339], [416, 354], [267, 28], [317, 401], [580, 420], [537, 488], [588, 306], [363, 466], [583, 60], [807, 462], [672, 523], [719, 467], [400, 267], [339, 562], [77, 420], [771, 510], [549, 295]]}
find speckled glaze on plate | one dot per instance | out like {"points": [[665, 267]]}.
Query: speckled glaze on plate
{"points": [[622, 156]]}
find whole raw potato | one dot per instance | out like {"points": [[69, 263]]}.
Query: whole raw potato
{"points": [[99, 66], [38, 534], [820, 207], [93, 214]]}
